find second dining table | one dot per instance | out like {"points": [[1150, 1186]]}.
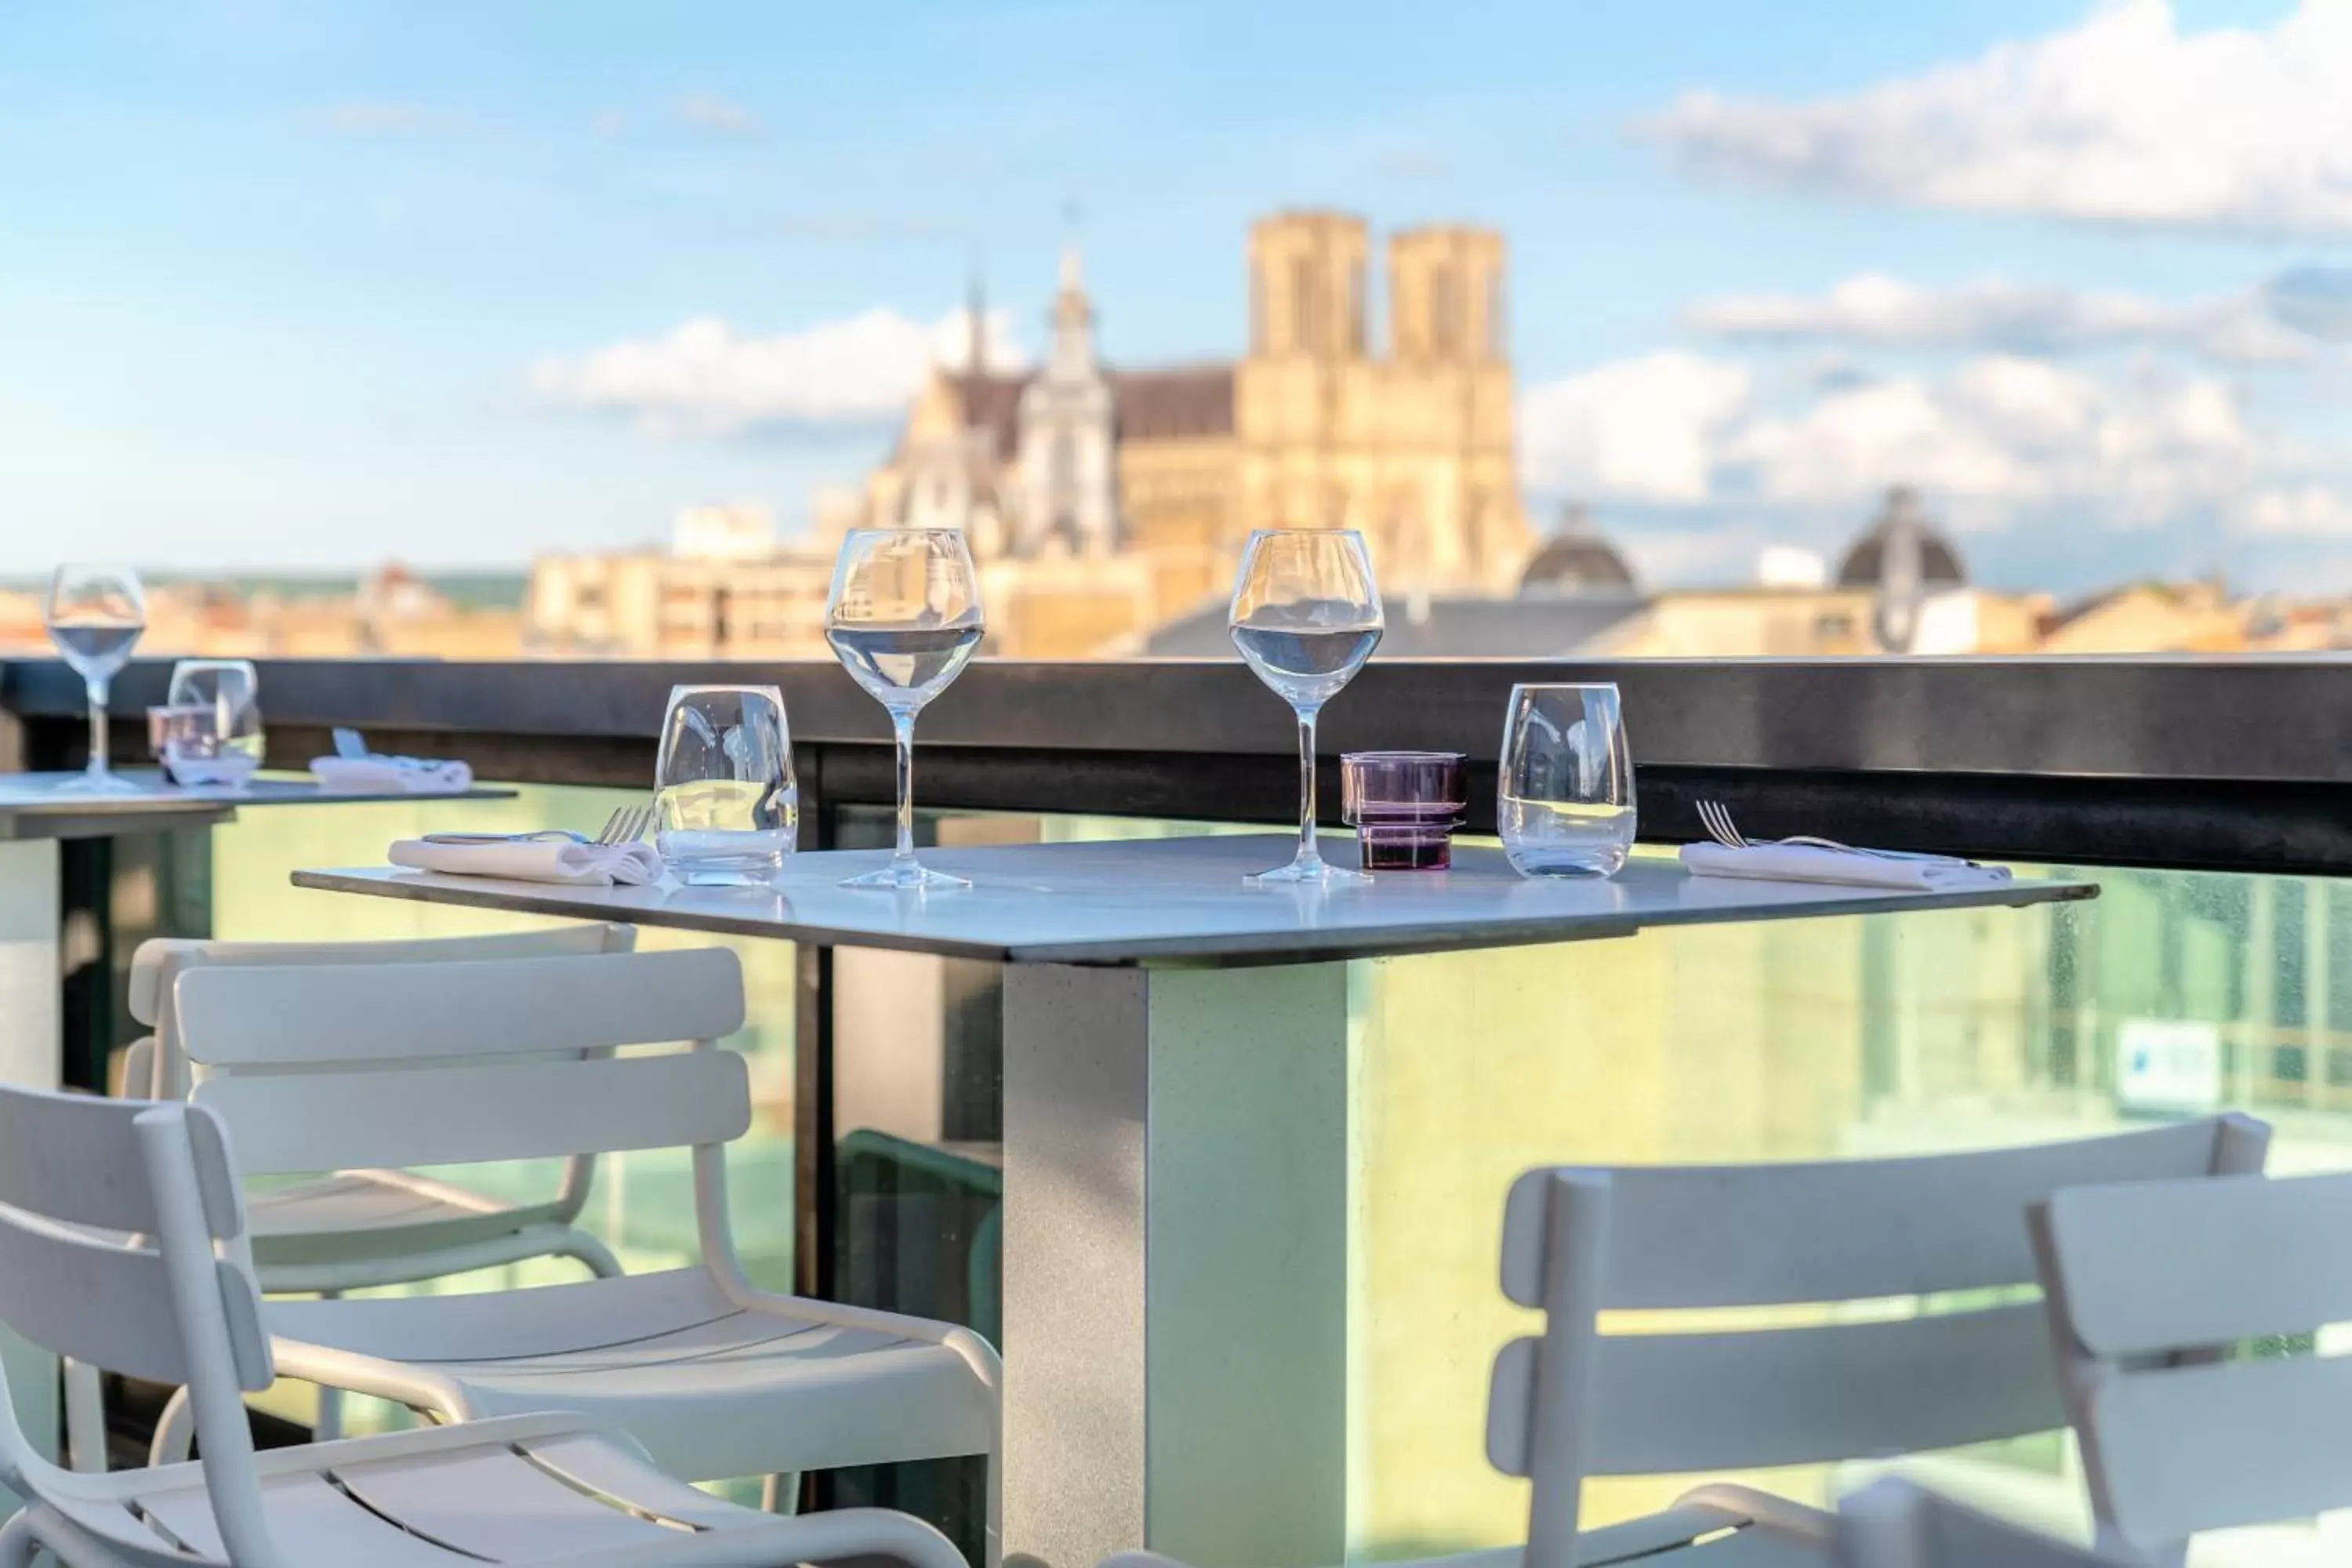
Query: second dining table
{"points": [[1176, 1135]]}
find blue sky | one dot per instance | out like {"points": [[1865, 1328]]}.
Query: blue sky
{"points": [[292, 285]]}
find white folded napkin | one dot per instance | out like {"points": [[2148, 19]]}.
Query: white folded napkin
{"points": [[1811, 863], [380, 774], [537, 861]]}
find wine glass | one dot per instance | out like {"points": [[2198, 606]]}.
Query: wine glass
{"points": [[725, 807], [219, 740], [1305, 615], [1564, 802], [904, 619], [95, 615]]}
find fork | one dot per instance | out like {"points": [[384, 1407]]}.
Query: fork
{"points": [[1716, 818], [626, 825]]}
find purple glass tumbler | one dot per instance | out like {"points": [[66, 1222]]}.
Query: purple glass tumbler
{"points": [[1404, 807]]}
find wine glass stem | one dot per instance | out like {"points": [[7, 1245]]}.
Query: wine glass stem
{"points": [[902, 728], [96, 690], [1308, 852]]}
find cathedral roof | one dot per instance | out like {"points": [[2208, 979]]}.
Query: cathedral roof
{"points": [[1185, 400], [993, 402], [1864, 566], [1171, 404], [1576, 560]]}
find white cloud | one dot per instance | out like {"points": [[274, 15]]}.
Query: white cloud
{"points": [[703, 377], [2005, 434], [709, 112], [1874, 310], [1637, 429], [2000, 438], [2124, 118], [2304, 511]]}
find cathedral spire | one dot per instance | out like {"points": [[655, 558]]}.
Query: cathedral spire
{"points": [[975, 327]]}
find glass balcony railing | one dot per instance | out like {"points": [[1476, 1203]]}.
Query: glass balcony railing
{"points": [[2221, 981]]}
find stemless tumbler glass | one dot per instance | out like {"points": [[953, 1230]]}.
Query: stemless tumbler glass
{"points": [[221, 741], [1305, 615], [1565, 803], [904, 619], [95, 615], [726, 809]]}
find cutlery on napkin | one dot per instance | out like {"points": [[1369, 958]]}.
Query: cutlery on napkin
{"points": [[379, 774], [573, 865], [1853, 867]]}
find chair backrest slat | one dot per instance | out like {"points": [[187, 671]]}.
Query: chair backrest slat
{"points": [[2149, 1290], [1743, 1400], [2162, 1264], [327, 1120], [98, 1301], [1582, 1242], [245, 1018], [1724, 1235], [160, 962], [76, 1158], [80, 1270], [2190, 1449]]}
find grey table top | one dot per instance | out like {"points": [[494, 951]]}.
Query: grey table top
{"points": [[43, 805], [1180, 901]]}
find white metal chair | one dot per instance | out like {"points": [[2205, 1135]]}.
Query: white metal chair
{"points": [[353, 1230], [451, 1063], [2151, 1289], [1893, 1524], [180, 1304], [359, 1228], [1576, 1402]]}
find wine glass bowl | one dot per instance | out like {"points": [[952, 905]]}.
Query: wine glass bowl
{"points": [[904, 618], [1305, 615], [96, 614]]}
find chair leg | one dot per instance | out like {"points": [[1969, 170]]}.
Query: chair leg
{"points": [[328, 1426], [992, 1546], [175, 1432], [18, 1544], [85, 1418]]}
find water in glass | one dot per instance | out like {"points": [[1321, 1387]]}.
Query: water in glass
{"points": [[903, 666], [904, 618], [1305, 615], [726, 804], [95, 615], [1565, 802], [220, 741]]}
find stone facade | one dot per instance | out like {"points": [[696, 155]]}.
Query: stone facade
{"points": [[1157, 476]]}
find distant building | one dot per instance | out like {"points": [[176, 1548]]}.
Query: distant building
{"points": [[1157, 476], [2149, 617], [1576, 560], [739, 532]]}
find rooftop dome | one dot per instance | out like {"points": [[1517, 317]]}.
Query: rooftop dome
{"points": [[1576, 560], [1864, 566]]}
